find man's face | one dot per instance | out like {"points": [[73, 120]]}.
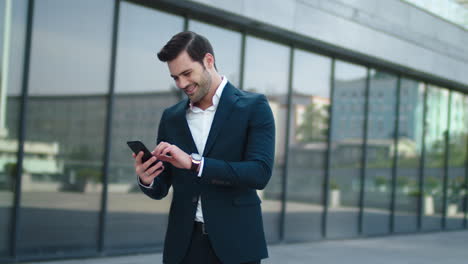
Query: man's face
{"points": [[190, 76]]}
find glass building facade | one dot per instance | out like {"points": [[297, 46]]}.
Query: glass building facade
{"points": [[361, 149]]}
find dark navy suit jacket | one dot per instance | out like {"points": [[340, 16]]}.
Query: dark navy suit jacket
{"points": [[239, 156]]}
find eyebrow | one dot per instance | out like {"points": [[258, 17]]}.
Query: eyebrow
{"points": [[185, 71]]}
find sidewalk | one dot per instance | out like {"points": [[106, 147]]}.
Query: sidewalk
{"points": [[431, 248]]}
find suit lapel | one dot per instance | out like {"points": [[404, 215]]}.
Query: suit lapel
{"points": [[224, 110], [185, 138]]}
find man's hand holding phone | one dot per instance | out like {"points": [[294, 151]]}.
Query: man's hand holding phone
{"points": [[173, 154], [148, 165], [145, 171]]}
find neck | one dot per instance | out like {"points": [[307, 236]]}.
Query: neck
{"points": [[207, 101]]}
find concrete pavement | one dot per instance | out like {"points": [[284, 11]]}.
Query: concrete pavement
{"points": [[429, 248]]}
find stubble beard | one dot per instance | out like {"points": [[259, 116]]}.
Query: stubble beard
{"points": [[203, 87]]}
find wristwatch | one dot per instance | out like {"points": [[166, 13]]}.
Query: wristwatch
{"points": [[196, 161]]}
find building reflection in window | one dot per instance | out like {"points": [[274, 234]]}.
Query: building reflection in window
{"points": [[380, 152], [266, 71], [62, 167], [457, 151], [143, 90], [347, 136], [307, 146], [435, 144], [12, 33], [410, 135]]}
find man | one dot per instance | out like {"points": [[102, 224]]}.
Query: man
{"points": [[218, 149]]}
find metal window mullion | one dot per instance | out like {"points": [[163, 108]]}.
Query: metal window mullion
{"points": [[108, 129], [326, 186], [242, 61], [446, 157], [364, 156], [186, 22], [22, 131], [286, 146], [395, 156], [422, 161], [465, 204]]}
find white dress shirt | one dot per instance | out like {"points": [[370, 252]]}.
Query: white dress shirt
{"points": [[199, 122]]}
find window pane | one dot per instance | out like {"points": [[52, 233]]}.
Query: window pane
{"points": [[436, 131], [62, 169], [465, 115], [410, 134], [457, 161], [227, 47], [11, 46], [143, 90], [307, 146], [346, 154], [380, 152], [266, 71]]}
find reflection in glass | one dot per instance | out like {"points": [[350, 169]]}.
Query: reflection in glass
{"points": [[227, 48], [307, 146], [62, 167], [380, 152], [11, 35], [465, 198], [266, 72], [143, 90], [346, 149], [410, 134], [435, 141], [456, 187]]}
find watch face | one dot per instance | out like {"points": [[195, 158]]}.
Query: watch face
{"points": [[196, 156]]}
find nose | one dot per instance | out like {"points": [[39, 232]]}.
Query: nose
{"points": [[182, 82]]}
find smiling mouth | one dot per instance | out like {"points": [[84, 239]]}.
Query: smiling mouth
{"points": [[190, 90]]}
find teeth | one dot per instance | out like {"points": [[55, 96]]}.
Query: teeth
{"points": [[191, 89]]}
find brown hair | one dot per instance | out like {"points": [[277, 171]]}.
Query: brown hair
{"points": [[196, 46]]}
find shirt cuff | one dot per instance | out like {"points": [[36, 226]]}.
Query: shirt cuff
{"points": [[201, 167], [145, 186]]}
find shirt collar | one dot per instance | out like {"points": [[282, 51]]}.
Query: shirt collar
{"points": [[216, 97]]}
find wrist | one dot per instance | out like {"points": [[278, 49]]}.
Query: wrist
{"points": [[195, 162], [188, 165]]}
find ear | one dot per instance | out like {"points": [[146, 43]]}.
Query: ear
{"points": [[209, 60]]}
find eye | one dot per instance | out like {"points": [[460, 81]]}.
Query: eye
{"points": [[187, 74]]}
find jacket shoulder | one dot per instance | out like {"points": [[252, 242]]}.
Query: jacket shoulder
{"points": [[171, 111], [248, 96]]}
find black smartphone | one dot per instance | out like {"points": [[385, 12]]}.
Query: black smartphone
{"points": [[138, 146]]}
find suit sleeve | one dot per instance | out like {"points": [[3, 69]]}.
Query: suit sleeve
{"points": [[256, 168], [162, 183]]}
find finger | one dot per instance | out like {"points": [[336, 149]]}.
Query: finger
{"points": [[165, 158], [161, 146], [144, 172], [168, 150], [158, 148], [155, 174], [154, 168], [137, 163], [138, 157], [146, 178], [146, 165]]}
